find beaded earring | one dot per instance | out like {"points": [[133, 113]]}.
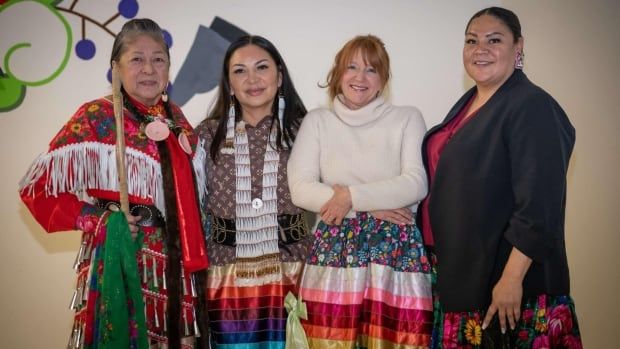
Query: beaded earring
{"points": [[164, 94], [281, 107], [519, 60]]}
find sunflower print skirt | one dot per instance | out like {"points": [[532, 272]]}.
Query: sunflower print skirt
{"points": [[546, 322], [367, 284]]}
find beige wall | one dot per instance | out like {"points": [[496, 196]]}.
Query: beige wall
{"points": [[571, 46], [572, 50]]}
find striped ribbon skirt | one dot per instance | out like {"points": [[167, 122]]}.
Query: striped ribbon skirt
{"points": [[367, 284], [250, 317]]}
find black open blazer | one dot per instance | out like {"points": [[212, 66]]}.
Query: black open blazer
{"points": [[501, 182]]}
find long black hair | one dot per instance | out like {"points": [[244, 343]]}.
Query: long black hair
{"points": [[294, 110]]}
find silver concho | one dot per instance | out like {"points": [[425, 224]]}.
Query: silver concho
{"points": [[257, 203]]}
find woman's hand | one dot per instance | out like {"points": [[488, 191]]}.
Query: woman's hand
{"points": [[336, 208], [508, 291], [133, 224], [506, 303], [398, 216]]}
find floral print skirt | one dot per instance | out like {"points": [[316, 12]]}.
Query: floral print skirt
{"points": [[546, 322], [367, 284]]}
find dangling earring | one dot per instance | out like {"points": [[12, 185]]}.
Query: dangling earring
{"points": [[281, 107], [519, 60], [164, 93], [229, 146]]}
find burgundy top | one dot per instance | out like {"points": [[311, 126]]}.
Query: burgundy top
{"points": [[434, 146]]}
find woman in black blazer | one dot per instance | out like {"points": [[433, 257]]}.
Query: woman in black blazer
{"points": [[495, 212]]}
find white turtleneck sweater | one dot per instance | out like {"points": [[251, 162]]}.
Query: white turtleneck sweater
{"points": [[374, 150]]}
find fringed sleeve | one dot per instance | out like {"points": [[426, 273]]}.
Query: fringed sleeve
{"points": [[81, 158]]}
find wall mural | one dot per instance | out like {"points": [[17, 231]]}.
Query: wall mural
{"points": [[199, 73]]}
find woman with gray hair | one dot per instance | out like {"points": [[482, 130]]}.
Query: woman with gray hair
{"points": [[138, 289]]}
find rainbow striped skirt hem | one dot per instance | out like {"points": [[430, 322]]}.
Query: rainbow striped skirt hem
{"points": [[367, 284]]}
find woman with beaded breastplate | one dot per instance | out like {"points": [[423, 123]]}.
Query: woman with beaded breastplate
{"points": [[258, 238]]}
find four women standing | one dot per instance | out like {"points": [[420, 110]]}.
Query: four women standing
{"points": [[494, 216]]}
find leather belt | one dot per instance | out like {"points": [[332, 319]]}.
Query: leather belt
{"points": [[292, 229], [151, 217]]}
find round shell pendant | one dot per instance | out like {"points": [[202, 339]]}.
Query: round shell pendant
{"points": [[184, 143], [156, 130]]}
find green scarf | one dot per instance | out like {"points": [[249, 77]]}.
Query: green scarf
{"points": [[120, 312]]}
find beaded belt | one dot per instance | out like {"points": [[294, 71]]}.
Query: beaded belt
{"points": [[292, 228], [151, 217]]}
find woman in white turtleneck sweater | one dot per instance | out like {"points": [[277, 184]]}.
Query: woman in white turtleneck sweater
{"points": [[358, 165]]}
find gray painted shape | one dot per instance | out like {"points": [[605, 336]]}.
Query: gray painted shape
{"points": [[226, 29], [202, 67]]}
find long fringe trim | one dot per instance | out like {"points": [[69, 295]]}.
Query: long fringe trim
{"points": [[76, 168], [200, 170]]}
